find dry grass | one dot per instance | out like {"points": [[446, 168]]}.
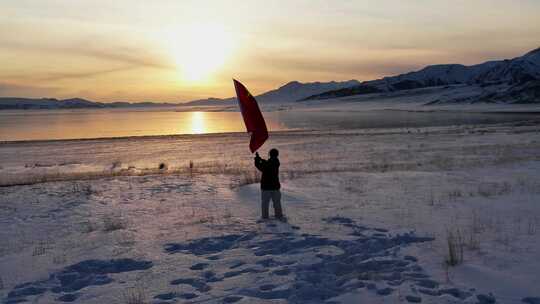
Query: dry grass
{"points": [[504, 238], [113, 222], [83, 188], [88, 227], [505, 154], [454, 241], [249, 177], [60, 259], [490, 190], [243, 169], [377, 161], [135, 295], [454, 195], [472, 242], [117, 165], [432, 200], [443, 162], [41, 248], [494, 189], [532, 226]]}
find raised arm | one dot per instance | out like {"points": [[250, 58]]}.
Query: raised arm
{"points": [[260, 163]]}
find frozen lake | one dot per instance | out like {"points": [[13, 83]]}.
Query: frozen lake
{"points": [[107, 123]]}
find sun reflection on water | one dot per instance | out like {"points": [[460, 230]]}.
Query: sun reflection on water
{"points": [[104, 123], [197, 123]]}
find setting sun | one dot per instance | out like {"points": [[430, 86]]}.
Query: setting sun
{"points": [[199, 50]]}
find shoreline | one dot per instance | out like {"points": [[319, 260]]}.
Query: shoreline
{"points": [[176, 151], [534, 121]]}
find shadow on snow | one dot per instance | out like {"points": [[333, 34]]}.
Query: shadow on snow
{"points": [[372, 255], [71, 279]]}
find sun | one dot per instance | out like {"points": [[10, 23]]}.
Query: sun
{"points": [[199, 50]]}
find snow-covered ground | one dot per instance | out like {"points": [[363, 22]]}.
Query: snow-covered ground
{"points": [[442, 98], [370, 215]]}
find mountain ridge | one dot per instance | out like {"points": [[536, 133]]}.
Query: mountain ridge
{"points": [[514, 80], [289, 92], [20, 103]]}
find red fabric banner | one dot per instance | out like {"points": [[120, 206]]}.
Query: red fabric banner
{"points": [[252, 115]]}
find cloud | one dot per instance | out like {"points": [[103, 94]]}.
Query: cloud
{"points": [[75, 43], [16, 90], [59, 76], [80, 75], [120, 58], [126, 55], [349, 67]]}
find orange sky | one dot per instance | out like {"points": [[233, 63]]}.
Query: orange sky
{"points": [[183, 50]]}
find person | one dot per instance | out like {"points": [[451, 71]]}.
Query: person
{"points": [[270, 186]]}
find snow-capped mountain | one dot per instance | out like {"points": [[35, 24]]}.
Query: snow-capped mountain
{"points": [[295, 90], [289, 92], [516, 71], [508, 76]]}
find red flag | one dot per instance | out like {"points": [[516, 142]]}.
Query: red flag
{"points": [[252, 116]]}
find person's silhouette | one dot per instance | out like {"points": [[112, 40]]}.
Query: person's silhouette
{"points": [[270, 183]]}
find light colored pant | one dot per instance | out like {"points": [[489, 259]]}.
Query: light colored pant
{"points": [[275, 196]]}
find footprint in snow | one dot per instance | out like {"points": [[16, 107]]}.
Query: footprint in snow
{"points": [[199, 266], [232, 299], [74, 278], [372, 251]]}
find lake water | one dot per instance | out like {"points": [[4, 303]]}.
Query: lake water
{"points": [[104, 123]]}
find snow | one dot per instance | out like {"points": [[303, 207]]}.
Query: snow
{"points": [[454, 98], [504, 82], [369, 213], [287, 93], [295, 90]]}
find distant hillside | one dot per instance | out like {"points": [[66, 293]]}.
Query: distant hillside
{"points": [[510, 81], [289, 92], [15, 103]]}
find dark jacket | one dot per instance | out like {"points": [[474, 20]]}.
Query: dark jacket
{"points": [[270, 173]]}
